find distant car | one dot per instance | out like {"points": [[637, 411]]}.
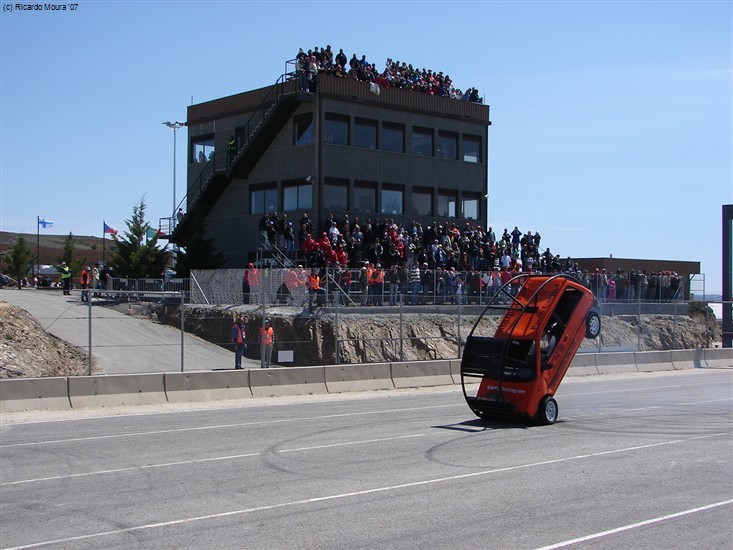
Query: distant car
{"points": [[522, 364]]}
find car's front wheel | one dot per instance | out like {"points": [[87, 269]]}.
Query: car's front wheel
{"points": [[547, 412], [593, 325]]}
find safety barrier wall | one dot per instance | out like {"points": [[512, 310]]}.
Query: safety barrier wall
{"points": [[183, 387], [143, 389], [18, 394]]}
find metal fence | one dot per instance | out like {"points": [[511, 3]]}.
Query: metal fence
{"points": [[437, 287]]}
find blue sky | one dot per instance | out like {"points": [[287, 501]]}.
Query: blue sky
{"points": [[612, 121]]}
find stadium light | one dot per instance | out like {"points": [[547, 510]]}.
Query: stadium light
{"points": [[174, 126]]}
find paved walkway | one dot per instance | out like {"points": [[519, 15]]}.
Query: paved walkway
{"points": [[121, 343]]}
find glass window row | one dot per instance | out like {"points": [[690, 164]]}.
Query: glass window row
{"points": [[366, 197], [424, 141]]}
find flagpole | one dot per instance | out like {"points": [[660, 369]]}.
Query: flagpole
{"points": [[38, 247], [104, 241]]}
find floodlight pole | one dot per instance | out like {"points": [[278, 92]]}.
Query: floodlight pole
{"points": [[174, 126]]}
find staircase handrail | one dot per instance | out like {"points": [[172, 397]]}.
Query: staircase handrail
{"points": [[218, 163]]}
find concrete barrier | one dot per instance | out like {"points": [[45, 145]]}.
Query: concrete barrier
{"points": [[583, 364], [115, 390], [186, 387], [455, 371], [24, 394], [721, 358], [610, 363], [653, 361], [415, 374], [371, 376], [687, 359], [287, 381]]}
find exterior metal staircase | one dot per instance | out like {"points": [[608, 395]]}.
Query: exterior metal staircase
{"points": [[252, 140]]}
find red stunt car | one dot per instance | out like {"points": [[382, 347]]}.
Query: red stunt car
{"points": [[522, 364]]}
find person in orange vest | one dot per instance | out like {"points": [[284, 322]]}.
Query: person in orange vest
{"points": [[250, 282], [314, 285], [84, 280], [267, 342], [239, 340], [378, 285]]}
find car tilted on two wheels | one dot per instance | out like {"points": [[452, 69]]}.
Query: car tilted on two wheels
{"points": [[522, 364]]}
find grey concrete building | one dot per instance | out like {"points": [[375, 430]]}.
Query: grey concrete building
{"points": [[349, 149]]}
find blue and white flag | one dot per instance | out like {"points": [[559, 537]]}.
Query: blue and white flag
{"points": [[45, 223]]}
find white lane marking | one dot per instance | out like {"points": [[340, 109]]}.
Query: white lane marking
{"points": [[226, 426], [636, 525], [354, 493], [640, 388], [202, 460]]}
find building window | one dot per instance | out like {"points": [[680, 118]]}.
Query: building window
{"points": [[393, 137], [297, 196], [365, 133], [469, 206], [336, 129], [202, 149], [447, 145], [304, 130], [447, 204], [471, 149], [422, 202], [263, 200], [422, 141], [335, 194], [392, 200], [365, 197]]}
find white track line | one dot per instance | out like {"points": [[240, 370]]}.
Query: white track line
{"points": [[635, 525], [227, 426]]}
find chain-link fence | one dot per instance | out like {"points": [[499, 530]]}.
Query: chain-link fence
{"points": [[279, 286], [143, 330]]}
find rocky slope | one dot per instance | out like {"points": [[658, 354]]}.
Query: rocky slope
{"points": [[28, 350]]}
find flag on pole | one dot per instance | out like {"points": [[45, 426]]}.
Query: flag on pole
{"points": [[109, 229], [44, 223], [152, 233]]}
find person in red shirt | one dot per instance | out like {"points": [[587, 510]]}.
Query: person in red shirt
{"points": [[505, 275], [250, 282]]}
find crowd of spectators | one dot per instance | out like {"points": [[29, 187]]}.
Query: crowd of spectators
{"points": [[445, 257], [396, 74]]}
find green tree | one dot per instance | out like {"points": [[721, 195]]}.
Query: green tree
{"points": [[199, 252], [137, 255], [69, 256], [19, 260]]}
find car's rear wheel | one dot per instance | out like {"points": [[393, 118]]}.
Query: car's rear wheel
{"points": [[547, 412], [592, 325]]}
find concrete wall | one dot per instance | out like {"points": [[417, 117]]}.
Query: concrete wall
{"points": [[142, 389]]}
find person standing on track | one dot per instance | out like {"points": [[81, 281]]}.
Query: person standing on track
{"points": [[267, 342], [239, 340]]}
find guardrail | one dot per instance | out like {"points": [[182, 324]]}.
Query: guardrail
{"points": [[143, 389]]}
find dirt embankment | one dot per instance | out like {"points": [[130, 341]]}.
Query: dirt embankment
{"points": [[29, 351]]}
